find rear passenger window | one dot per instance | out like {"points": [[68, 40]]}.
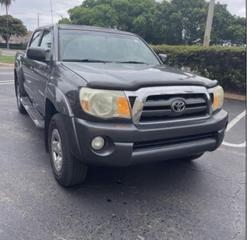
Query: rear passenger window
{"points": [[35, 39], [46, 41]]}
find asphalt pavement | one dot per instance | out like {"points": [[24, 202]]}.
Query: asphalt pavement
{"points": [[203, 200]]}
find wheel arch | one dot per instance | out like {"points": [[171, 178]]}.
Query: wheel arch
{"points": [[19, 78], [50, 110], [53, 107], [15, 79], [57, 102]]}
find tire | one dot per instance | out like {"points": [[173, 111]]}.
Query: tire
{"points": [[191, 158], [68, 170], [19, 94]]}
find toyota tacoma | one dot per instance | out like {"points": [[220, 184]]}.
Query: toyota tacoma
{"points": [[104, 97]]}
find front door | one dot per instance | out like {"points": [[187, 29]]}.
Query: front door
{"points": [[43, 70], [29, 66]]}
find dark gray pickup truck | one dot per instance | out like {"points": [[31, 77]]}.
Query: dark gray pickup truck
{"points": [[104, 97]]}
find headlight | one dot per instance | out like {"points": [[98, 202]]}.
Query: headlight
{"points": [[105, 103], [218, 97]]}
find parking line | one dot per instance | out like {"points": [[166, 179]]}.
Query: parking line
{"points": [[235, 120], [240, 145], [6, 73], [230, 126], [6, 82], [9, 80]]}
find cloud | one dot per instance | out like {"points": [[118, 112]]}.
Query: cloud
{"points": [[27, 10], [236, 7]]}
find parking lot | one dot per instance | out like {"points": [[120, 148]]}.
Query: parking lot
{"points": [[170, 200]]}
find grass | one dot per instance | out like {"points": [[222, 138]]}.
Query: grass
{"points": [[7, 59]]}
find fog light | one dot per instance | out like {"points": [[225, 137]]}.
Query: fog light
{"points": [[98, 143]]}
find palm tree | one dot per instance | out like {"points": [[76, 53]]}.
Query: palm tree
{"points": [[6, 3]]}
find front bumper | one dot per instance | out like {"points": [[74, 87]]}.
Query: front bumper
{"points": [[127, 144]]}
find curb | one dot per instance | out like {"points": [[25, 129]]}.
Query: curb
{"points": [[234, 96]]}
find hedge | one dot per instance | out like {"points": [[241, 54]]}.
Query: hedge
{"points": [[16, 46], [226, 64]]}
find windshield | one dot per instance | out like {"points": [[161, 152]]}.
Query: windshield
{"points": [[87, 46]]}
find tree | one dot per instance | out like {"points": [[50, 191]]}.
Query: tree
{"points": [[15, 27], [177, 16], [227, 27], [190, 16], [161, 21], [64, 21], [131, 15], [6, 3]]}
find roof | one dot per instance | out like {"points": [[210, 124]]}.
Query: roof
{"points": [[91, 28], [86, 28]]}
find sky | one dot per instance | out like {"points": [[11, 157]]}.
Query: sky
{"points": [[28, 10]]}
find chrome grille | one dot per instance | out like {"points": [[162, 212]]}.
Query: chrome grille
{"points": [[153, 104], [159, 107]]}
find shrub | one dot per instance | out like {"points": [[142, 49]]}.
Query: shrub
{"points": [[226, 64], [16, 46]]}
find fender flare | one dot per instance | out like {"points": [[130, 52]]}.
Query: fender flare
{"points": [[62, 105], [59, 100], [19, 76]]}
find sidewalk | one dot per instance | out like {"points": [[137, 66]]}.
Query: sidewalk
{"points": [[8, 52], [234, 96], [6, 65]]}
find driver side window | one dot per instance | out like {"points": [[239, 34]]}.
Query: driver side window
{"points": [[35, 39], [46, 42]]}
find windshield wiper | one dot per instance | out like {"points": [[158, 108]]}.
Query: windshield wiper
{"points": [[132, 62], [86, 60]]}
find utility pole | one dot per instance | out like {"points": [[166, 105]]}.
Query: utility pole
{"points": [[209, 23], [51, 6], [7, 19], [38, 19]]}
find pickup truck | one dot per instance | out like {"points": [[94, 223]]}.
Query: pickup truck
{"points": [[104, 97]]}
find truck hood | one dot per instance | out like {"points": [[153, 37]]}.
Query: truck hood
{"points": [[134, 76]]}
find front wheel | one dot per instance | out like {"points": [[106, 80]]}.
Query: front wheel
{"points": [[67, 169]]}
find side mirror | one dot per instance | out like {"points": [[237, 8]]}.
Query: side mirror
{"points": [[39, 54], [163, 57]]}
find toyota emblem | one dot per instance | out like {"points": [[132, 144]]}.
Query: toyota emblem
{"points": [[178, 106]]}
